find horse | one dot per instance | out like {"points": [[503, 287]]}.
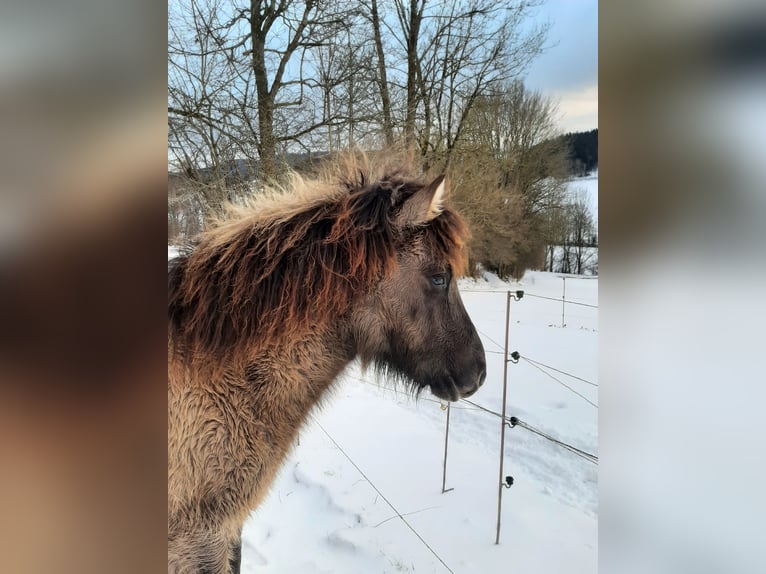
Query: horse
{"points": [[269, 306]]}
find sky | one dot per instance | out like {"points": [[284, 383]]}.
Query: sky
{"points": [[568, 70]]}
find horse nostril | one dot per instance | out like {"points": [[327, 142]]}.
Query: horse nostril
{"points": [[482, 375]]}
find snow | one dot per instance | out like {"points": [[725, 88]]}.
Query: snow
{"points": [[323, 515], [588, 185]]}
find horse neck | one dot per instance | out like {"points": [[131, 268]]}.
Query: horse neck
{"points": [[285, 381]]}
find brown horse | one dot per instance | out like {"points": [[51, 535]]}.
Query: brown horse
{"points": [[269, 307]]}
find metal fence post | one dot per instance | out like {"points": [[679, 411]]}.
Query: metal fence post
{"points": [[563, 301], [446, 442], [502, 421]]}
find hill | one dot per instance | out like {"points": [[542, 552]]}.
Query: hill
{"points": [[583, 151]]}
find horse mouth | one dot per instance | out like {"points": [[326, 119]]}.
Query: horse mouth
{"points": [[448, 390]]}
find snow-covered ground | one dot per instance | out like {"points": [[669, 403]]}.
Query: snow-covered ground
{"points": [[323, 515], [588, 185]]}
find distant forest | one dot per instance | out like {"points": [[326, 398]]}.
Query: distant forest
{"points": [[583, 151]]}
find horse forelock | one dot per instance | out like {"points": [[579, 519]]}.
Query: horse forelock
{"points": [[293, 261]]}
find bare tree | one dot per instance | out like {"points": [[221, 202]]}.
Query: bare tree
{"points": [[237, 71], [206, 136], [472, 51], [580, 224], [385, 98], [500, 234], [344, 73], [519, 127], [555, 233], [453, 52], [255, 55], [516, 130], [410, 15], [308, 24], [251, 82], [572, 240]]}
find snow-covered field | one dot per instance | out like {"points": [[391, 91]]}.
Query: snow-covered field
{"points": [[323, 515], [588, 186]]}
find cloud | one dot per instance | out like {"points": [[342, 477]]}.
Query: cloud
{"points": [[578, 108]]}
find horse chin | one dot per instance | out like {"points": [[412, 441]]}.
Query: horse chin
{"points": [[446, 390]]}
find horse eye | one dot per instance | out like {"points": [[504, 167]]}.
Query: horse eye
{"points": [[439, 280]]}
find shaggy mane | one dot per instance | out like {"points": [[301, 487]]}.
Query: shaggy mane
{"points": [[294, 259]]}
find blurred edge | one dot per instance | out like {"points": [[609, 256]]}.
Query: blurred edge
{"points": [[683, 278], [82, 195]]}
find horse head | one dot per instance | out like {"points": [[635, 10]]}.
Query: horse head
{"points": [[413, 324]]}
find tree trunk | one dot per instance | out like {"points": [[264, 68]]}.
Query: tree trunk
{"points": [[412, 70], [551, 255], [425, 139], [388, 130], [266, 143], [327, 111], [351, 98]]}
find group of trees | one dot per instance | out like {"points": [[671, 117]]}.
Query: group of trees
{"points": [[572, 247], [583, 148], [254, 85]]}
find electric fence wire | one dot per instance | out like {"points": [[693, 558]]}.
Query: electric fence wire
{"points": [[528, 294], [559, 300], [383, 496], [573, 449], [559, 371], [546, 373], [516, 421], [490, 339], [512, 420]]}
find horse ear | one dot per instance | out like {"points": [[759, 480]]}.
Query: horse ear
{"points": [[425, 204]]}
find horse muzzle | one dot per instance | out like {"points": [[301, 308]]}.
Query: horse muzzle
{"points": [[470, 390], [452, 389]]}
